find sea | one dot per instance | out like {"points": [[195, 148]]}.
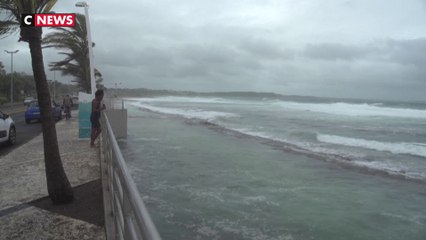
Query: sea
{"points": [[261, 166]]}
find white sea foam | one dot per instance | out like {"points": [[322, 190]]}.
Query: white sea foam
{"points": [[187, 113], [302, 145], [407, 218], [254, 133], [207, 231], [174, 99], [417, 149], [353, 110], [339, 108], [205, 195], [394, 168], [238, 228], [259, 200]]}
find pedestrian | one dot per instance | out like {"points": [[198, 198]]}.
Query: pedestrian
{"points": [[95, 116]]}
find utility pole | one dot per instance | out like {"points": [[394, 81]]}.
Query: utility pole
{"points": [[54, 80], [11, 73]]}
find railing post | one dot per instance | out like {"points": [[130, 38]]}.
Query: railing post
{"points": [[129, 217]]}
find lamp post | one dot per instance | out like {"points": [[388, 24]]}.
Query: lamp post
{"points": [[89, 43], [11, 73], [54, 83], [52, 87]]}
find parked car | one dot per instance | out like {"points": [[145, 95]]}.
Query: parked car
{"points": [[33, 112], [27, 100], [7, 129]]}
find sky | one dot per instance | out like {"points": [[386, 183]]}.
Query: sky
{"points": [[374, 49]]}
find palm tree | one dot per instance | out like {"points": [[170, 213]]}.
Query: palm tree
{"points": [[58, 186], [73, 42]]}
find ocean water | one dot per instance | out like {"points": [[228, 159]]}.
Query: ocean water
{"points": [[252, 167]]}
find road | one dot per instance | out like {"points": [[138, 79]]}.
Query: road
{"points": [[24, 133]]}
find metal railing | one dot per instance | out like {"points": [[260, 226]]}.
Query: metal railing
{"points": [[126, 216]]}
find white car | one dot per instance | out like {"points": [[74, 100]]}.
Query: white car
{"points": [[7, 129]]}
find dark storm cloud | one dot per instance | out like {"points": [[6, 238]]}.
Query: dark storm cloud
{"points": [[334, 51], [266, 49], [214, 60], [208, 53], [398, 51], [411, 51], [130, 57], [323, 48]]}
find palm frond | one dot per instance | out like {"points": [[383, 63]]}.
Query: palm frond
{"points": [[8, 18], [73, 44], [8, 27], [47, 6]]}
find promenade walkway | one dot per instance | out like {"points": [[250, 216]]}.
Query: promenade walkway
{"points": [[25, 210]]}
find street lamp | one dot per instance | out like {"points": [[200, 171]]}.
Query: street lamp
{"points": [[89, 43], [52, 86], [54, 82], [11, 73]]}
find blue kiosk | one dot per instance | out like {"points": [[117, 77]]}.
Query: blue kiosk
{"points": [[85, 108]]}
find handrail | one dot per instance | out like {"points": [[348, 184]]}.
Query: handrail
{"points": [[126, 216]]}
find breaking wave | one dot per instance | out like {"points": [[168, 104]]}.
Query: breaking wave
{"points": [[186, 113], [353, 110], [416, 149]]}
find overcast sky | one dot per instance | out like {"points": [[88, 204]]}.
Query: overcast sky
{"points": [[340, 48]]}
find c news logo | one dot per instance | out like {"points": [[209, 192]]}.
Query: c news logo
{"points": [[48, 20]]}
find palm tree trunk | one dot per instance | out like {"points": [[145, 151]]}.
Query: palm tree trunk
{"points": [[58, 186]]}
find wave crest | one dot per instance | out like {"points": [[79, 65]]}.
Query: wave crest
{"points": [[416, 149]]}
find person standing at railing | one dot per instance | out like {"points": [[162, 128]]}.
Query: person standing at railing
{"points": [[95, 116]]}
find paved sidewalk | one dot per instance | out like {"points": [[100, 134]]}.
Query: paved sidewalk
{"points": [[25, 210]]}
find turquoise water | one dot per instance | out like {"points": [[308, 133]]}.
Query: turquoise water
{"points": [[384, 137], [202, 182]]}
